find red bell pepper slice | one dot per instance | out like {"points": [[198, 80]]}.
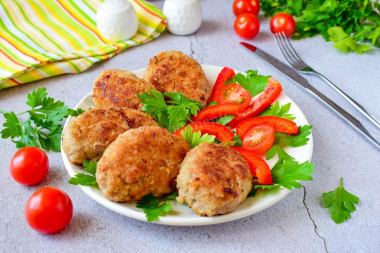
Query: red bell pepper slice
{"points": [[270, 94], [259, 168], [221, 132], [222, 78], [280, 125], [216, 111]]}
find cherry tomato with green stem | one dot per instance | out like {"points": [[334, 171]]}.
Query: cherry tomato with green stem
{"points": [[247, 25], [283, 22], [246, 6], [29, 166]]}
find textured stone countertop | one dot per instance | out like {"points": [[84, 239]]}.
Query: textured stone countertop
{"points": [[298, 223]]}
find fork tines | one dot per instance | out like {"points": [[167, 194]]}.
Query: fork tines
{"points": [[288, 51]]}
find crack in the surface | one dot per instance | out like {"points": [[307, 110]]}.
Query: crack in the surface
{"points": [[200, 43], [312, 220], [191, 48]]}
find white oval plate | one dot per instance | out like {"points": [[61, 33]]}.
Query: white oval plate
{"points": [[182, 215]]}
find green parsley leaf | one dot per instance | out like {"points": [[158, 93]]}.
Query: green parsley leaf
{"points": [[76, 112], [282, 140], [52, 140], [84, 179], [295, 140], [252, 82], [90, 166], [180, 100], [13, 127], [196, 138], [172, 114], [43, 127], [224, 120], [344, 42], [287, 173], [154, 207], [278, 111], [36, 98], [340, 203], [238, 141], [154, 102], [278, 149], [212, 103]]}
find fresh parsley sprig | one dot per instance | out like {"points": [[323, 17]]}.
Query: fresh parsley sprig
{"points": [[196, 138], [287, 173], [154, 207], [278, 111], [171, 114], [340, 203], [42, 127], [85, 179], [282, 140], [251, 81]]}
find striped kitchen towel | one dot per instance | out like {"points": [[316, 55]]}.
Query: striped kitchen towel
{"points": [[43, 38]]}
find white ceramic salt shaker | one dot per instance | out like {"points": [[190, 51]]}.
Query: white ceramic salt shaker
{"points": [[184, 16], [116, 20]]}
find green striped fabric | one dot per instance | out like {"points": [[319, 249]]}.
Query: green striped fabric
{"points": [[43, 38]]}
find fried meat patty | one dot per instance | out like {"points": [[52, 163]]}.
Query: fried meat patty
{"points": [[214, 179], [139, 162], [174, 71], [88, 135], [118, 88]]}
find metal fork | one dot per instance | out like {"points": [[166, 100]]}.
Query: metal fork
{"points": [[297, 63]]}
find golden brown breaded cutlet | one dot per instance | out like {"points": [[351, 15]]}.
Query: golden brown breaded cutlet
{"points": [[118, 88], [214, 179], [88, 135], [139, 162], [173, 71]]}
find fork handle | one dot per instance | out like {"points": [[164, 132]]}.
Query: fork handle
{"points": [[349, 99], [353, 122]]}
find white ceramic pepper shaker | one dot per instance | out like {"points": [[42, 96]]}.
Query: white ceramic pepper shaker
{"points": [[184, 16], [117, 20]]}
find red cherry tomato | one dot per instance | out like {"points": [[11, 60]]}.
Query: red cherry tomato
{"points": [[247, 25], [283, 22], [258, 139], [233, 93], [246, 6], [270, 94], [280, 125], [29, 166], [259, 168], [48, 210], [223, 77], [221, 132]]}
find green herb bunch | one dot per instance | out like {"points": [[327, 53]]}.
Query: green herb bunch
{"points": [[354, 25]]}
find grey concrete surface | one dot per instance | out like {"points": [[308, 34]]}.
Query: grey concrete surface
{"points": [[298, 223]]}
